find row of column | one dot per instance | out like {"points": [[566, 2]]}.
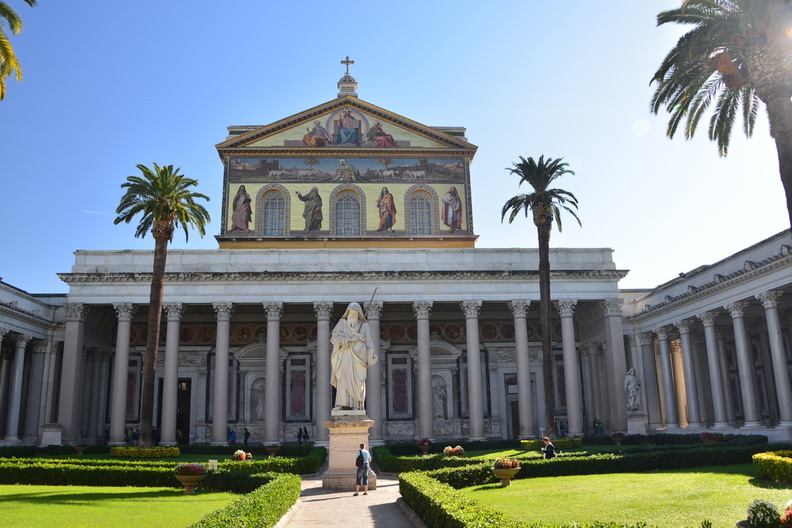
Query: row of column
{"points": [[323, 310], [717, 369]]}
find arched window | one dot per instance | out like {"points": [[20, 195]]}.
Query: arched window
{"points": [[420, 213], [273, 209], [347, 213]]}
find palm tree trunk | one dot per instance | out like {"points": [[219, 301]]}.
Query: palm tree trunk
{"points": [[162, 236], [543, 230], [779, 113]]}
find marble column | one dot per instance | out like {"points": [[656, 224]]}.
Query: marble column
{"points": [[118, 398], [46, 415], [70, 403], [374, 376], [588, 352], [524, 401], [6, 362], [15, 388], [713, 364], [35, 392], [94, 430], [324, 394], [645, 343], [668, 379], [220, 389], [677, 367], [170, 381], [694, 413], [272, 389], [721, 334], [475, 391], [616, 366], [425, 406], [105, 377], [769, 301], [574, 398], [745, 366]]}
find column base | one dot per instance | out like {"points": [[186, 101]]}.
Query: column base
{"points": [[751, 425], [219, 444], [476, 438], [721, 425], [168, 444]]}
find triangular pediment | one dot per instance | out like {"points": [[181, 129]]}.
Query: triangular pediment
{"points": [[343, 124]]}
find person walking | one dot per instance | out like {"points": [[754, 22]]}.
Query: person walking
{"points": [[549, 449], [362, 462]]}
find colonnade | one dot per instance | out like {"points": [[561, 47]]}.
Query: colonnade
{"points": [[697, 395]]}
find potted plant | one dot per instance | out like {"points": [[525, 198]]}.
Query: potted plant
{"points": [[190, 475], [617, 437], [272, 449], [454, 451], [424, 444], [505, 469], [711, 438], [762, 514], [241, 455], [80, 448]]}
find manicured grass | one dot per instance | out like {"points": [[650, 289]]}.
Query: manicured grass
{"points": [[105, 507], [667, 499]]}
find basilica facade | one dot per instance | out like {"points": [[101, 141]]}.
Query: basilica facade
{"points": [[348, 202]]}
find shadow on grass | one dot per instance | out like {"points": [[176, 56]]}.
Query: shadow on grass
{"points": [[64, 497]]}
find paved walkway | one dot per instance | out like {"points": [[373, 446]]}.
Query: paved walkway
{"points": [[330, 509]]}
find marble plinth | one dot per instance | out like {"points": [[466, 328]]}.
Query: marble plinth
{"points": [[347, 430], [51, 434], [636, 422]]}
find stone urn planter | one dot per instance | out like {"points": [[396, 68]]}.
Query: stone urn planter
{"points": [[743, 524], [425, 449], [189, 482], [272, 449], [80, 449], [506, 475]]}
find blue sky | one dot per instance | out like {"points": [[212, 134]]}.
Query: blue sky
{"points": [[108, 85]]}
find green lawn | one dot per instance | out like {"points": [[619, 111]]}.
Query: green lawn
{"points": [[105, 507], [667, 499]]}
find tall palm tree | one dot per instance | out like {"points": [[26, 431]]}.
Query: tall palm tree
{"points": [[311, 162], [8, 60], [737, 56], [165, 201], [545, 204]]}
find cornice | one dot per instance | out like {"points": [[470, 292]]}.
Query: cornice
{"points": [[11, 310], [750, 271], [308, 276]]}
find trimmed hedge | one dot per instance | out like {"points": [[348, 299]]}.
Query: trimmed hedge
{"points": [[774, 465], [137, 452], [262, 508]]}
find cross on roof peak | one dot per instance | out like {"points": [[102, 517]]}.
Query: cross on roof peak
{"points": [[347, 62]]}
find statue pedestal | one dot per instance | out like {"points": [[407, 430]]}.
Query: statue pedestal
{"points": [[348, 429], [51, 434], [636, 422]]}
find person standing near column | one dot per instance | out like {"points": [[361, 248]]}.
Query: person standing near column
{"points": [[362, 462]]}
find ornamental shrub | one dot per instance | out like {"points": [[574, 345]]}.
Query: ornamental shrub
{"points": [[774, 465]]}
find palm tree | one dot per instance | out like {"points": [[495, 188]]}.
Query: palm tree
{"points": [[546, 205], [737, 56], [8, 60], [385, 161], [311, 162], [164, 199]]}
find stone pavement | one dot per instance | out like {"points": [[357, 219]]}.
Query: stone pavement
{"points": [[329, 509]]}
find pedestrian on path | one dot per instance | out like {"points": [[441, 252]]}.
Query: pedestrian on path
{"points": [[362, 463]]}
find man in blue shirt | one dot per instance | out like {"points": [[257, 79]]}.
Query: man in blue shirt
{"points": [[362, 472]]}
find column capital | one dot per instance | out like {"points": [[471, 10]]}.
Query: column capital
{"points": [[662, 333], [373, 309], [41, 347], [3, 332], [736, 309], [471, 308], [223, 310], [22, 340], [323, 310], [566, 307], [274, 310], [645, 338], [611, 307], [519, 307], [124, 310], [770, 298], [74, 311], [684, 325], [708, 318], [422, 309], [174, 310]]}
